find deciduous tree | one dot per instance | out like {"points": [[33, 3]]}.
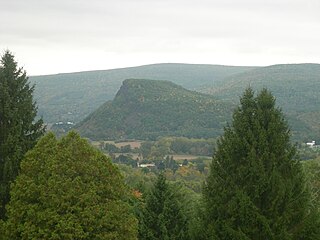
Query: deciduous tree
{"points": [[69, 190]]}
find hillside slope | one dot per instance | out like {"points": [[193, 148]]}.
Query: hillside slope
{"points": [[72, 96], [295, 86], [146, 109]]}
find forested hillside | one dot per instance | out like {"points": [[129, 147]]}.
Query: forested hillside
{"points": [[72, 96], [145, 109], [295, 86]]}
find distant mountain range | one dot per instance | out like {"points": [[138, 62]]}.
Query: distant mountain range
{"points": [[146, 109], [73, 96], [295, 86]]}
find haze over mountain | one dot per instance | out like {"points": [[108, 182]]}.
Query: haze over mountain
{"points": [[146, 109], [72, 96], [295, 86]]}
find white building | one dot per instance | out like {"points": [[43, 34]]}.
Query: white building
{"points": [[146, 165], [311, 144]]}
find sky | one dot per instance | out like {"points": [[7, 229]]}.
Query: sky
{"points": [[49, 37]]}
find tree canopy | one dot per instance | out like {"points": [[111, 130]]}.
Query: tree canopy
{"points": [[19, 129], [69, 190], [256, 186]]}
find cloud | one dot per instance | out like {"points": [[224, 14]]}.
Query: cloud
{"points": [[146, 31]]}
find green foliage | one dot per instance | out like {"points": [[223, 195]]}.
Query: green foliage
{"points": [[163, 217], [125, 159], [111, 148], [84, 92], [191, 176], [308, 153], [125, 149], [145, 149], [68, 190], [188, 176], [256, 188], [2, 229], [312, 170], [295, 86], [177, 145], [19, 130], [137, 179], [188, 199], [146, 109]]}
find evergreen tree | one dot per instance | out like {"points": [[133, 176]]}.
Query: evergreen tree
{"points": [[69, 190], [163, 217], [256, 187], [18, 129]]}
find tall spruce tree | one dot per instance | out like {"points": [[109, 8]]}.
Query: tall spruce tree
{"points": [[18, 129], [256, 187], [163, 217]]}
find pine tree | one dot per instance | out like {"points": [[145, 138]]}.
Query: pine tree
{"points": [[163, 217], [18, 129], [256, 187], [69, 190]]}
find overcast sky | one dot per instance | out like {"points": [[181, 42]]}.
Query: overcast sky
{"points": [[54, 36]]}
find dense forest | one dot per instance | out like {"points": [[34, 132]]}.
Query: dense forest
{"points": [[73, 96], [145, 109], [295, 86], [247, 181]]}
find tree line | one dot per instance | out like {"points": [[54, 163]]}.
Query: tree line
{"points": [[165, 146]]}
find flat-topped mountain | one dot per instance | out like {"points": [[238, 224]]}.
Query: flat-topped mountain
{"points": [[72, 96], [146, 109]]}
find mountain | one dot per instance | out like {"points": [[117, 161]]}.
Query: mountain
{"points": [[72, 96], [146, 109], [295, 86]]}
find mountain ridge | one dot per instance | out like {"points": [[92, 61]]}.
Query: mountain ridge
{"points": [[151, 65], [296, 88], [147, 109], [72, 96]]}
